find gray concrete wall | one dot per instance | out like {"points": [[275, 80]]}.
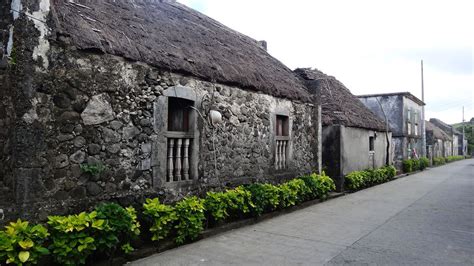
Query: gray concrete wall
{"points": [[355, 149], [393, 108]]}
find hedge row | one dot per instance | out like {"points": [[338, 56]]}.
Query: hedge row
{"points": [[443, 160], [362, 179], [106, 230], [412, 165]]}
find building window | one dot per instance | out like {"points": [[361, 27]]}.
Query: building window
{"points": [[282, 141], [179, 139], [178, 114], [409, 128], [409, 115], [416, 129], [371, 143]]}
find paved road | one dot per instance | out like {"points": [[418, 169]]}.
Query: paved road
{"points": [[426, 218]]}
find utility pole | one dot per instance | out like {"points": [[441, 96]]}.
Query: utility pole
{"points": [[463, 136], [423, 129]]}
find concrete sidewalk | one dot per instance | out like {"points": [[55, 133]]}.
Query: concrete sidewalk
{"points": [[426, 218]]}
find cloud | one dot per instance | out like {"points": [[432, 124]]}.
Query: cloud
{"points": [[370, 46]]}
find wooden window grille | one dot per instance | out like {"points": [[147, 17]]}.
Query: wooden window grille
{"points": [[282, 142], [179, 139]]}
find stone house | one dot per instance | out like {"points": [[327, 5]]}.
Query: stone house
{"points": [[438, 142], [353, 138], [459, 142], [403, 112], [121, 100]]}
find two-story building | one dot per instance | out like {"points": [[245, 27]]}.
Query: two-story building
{"points": [[403, 113]]}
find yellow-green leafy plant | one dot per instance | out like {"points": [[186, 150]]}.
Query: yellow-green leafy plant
{"points": [[120, 226], [73, 237], [22, 243], [234, 203], [162, 216], [190, 219], [265, 198]]}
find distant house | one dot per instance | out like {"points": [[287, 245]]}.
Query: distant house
{"points": [[353, 138], [459, 142], [403, 112], [438, 142], [121, 100]]}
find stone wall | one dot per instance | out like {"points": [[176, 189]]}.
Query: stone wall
{"points": [[87, 109]]}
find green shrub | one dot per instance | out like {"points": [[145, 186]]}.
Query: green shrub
{"points": [[453, 158], [22, 243], [120, 226], [360, 179], [324, 185], [190, 219], [232, 203], [424, 162], [391, 171], [292, 192], [407, 166], [356, 180], [439, 161], [416, 164], [73, 237], [163, 216], [265, 198]]}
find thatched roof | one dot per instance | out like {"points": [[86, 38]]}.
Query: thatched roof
{"points": [[339, 106], [173, 37], [438, 133]]}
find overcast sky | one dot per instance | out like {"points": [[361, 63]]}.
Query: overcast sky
{"points": [[370, 46]]}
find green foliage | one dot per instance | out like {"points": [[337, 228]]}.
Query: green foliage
{"points": [[407, 166], [424, 162], [391, 171], [292, 192], [93, 169], [265, 198], [416, 164], [320, 185], [73, 237], [22, 243], [439, 160], [163, 217], [361, 179], [121, 225], [190, 219], [454, 158], [232, 203]]}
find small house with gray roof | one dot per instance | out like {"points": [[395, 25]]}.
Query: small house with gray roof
{"points": [[120, 100], [438, 142], [353, 138]]}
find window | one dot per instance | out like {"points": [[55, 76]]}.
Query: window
{"points": [[281, 125], [371, 143], [282, 141], [408, 128], [178, 114], [179, 139], [409, 115], [175, 151], [416, 129]]}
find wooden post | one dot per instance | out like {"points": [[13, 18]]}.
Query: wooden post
{"points": [[170, 159], [186, 160]]}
